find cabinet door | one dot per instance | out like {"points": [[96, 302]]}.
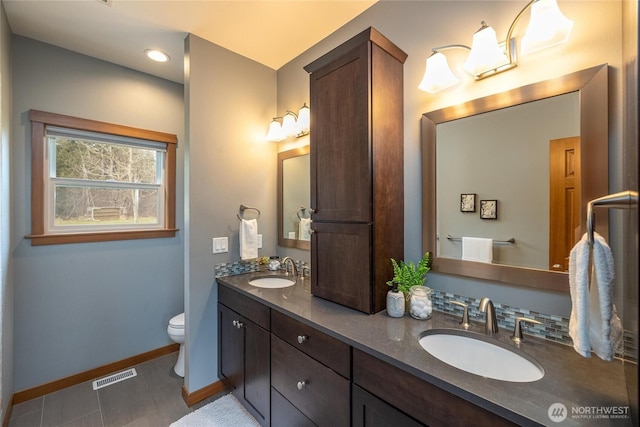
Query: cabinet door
{"points": [[257, 371], [340, 146], [231, 348], [340, 255], [369, 411], [244, 361]]}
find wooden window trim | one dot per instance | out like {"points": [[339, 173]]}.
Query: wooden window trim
{"points": [[39, 121]]}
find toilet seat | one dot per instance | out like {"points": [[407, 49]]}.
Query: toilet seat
{"points": [[177, 322]]}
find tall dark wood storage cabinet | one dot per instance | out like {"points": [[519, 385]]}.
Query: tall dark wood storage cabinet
{"points": [[357, 185]]}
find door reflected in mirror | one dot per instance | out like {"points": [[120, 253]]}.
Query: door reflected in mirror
{"points": [[294, 185]]}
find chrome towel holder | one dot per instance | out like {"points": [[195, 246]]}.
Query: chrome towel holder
{"points": [[244, 208], [621, 200], [301, 210], [497, 242]]}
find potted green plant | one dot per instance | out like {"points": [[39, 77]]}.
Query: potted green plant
{"points": [[408, 274]]}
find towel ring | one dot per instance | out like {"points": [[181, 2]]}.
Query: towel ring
{"points": [[302, 209], [244, 208]]}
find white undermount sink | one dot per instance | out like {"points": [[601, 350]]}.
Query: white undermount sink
{"points": [[272, 282], [481, 355]]}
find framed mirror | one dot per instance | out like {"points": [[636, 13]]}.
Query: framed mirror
{"points": [[509, 173], [294, 196]]}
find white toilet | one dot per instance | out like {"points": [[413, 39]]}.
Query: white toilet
{"points": [[176, 333]]}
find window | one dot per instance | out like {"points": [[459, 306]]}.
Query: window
{"points": [[95, 181]]}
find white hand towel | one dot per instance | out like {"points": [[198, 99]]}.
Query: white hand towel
{"points": [[303, 229], [477, 249], [248, 239], [594, 323]]}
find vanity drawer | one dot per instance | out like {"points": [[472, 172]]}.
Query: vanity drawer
{"points": [[429, 404], [322, 347], [315, 390], [248, 308], [284, 414]]}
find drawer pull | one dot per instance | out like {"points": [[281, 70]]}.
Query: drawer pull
{"points": [[302, 384], [302, 338]]}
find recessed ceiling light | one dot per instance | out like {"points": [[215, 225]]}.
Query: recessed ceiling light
{"points": [[157, 55]]}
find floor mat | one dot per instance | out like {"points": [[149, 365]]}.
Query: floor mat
{"points": [[223, 412]]}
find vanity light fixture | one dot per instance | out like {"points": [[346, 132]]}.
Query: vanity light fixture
{"points": [[156, 55], [547, 27], [292, 125]]}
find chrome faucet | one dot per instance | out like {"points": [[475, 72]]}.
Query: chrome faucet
{"points": [[285, 263], [491, 322]]}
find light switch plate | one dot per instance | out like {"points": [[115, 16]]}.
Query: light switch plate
{"points": [[259, 241], [220, 245]]}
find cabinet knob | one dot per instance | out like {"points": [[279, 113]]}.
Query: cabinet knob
{"points": [[302, 384], [311, 231], [238, 324], [302, 338]]}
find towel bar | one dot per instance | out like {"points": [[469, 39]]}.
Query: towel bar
{"points": [[621, 200], [497, 242], [244, 208]]}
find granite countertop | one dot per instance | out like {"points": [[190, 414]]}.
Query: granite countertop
{"points": [[580, 384]]}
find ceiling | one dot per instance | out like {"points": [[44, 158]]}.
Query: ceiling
{"points": [[119, 31]]}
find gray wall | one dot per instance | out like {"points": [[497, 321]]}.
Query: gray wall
{"points": [[230, 101], [418, 26], [80, 306], [6, 275]]}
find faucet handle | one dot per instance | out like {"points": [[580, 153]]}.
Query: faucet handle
{"points": [[306, 269], [517, 330], [465, 323]]}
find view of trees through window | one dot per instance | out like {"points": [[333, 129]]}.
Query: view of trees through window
{"points": [[104, 183]]}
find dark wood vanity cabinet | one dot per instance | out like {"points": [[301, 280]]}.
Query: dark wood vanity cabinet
{"points": [[413, 397], [310, 374], [369, 411], [357, 186], [244, 351]]}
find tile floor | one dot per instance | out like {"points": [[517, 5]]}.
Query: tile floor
{"points": [[153, 398]]}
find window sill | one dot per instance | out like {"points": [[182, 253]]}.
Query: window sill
{"points": [[59, 239]]}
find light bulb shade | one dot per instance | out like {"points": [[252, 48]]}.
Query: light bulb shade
{"points": [[547, 27], [304, 119], [275, 133], [485, 53], [437, 74], [289, 124]]}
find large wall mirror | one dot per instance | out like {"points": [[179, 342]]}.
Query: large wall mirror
{"points": [[516, 167], [294, 186]]}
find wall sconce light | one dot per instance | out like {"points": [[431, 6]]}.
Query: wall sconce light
{"points": [[547, 27], [292, 125]]}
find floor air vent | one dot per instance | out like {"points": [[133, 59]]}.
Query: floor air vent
{"points": [[115, 378]]}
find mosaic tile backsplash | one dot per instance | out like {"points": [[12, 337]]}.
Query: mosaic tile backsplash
{"points": [[553, 327], [241, 267]]}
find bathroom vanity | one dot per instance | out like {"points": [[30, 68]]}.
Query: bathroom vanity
{"points": [[309, 361]]}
